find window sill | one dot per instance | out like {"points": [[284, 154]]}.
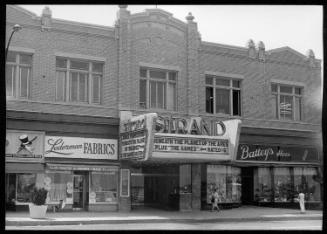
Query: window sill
{"points": [[223, 115]]}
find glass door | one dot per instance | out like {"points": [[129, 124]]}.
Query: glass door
{"points": [[78, 192]]}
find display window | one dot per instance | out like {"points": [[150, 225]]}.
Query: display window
{"points": [[25, 184], [226, 180], [282, 185], [103, 187], [60, 186], [185, 179], [262, 185], [304, 182]]}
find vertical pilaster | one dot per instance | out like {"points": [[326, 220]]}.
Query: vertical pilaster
{"points": [[196, 187]]}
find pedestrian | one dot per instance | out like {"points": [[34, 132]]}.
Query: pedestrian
{"points": [[214, 200], [301, 201]]}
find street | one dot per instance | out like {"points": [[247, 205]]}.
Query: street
{"points": [[253, 225]]}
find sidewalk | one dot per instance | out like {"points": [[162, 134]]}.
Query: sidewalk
{"points": [[243, 214]]}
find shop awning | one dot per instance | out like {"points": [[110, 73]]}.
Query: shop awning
{"points": [[79, 167], [24, 168]]}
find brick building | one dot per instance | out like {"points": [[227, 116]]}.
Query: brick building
{"points": [[146, 114]]}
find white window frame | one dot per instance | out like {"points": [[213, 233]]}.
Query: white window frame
{"points": [[17, 70], [293, 95], [89, 82], [165, 81], [230, 88]]}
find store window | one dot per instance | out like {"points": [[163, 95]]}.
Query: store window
{"points": [[103, 187], [25, 186], [227, 181], [287, 102], [223, 95], [18, 74], [78, 81], [262, 185], [304, 182], [185, 178], [157, 89], [60, 186], [283, 185]]}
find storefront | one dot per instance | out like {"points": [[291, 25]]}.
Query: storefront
{"points": [[176, 162], [24, 167], [274, 175], [82, 173]]}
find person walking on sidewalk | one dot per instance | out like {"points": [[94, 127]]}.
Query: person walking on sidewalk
{"points": [[301, 201], [214, 200]]}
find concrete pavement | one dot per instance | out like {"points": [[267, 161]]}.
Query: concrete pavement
{"points": [[243, 214]]}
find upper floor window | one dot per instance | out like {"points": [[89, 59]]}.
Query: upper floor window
{"points": [[78, 80], [223, 95], [18, 74], [287, 102], [157, 88]]}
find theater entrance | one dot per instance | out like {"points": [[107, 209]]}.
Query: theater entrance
{"points": [[155, 188]]}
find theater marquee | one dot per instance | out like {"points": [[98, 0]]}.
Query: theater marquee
{"points": [[149, 137]]}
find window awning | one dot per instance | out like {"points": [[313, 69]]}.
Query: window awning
{"points": [[24, 168]]}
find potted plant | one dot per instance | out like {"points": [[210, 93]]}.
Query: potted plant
{"points": [[37, 207]]}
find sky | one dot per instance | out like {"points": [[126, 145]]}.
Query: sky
{"points": [[295, 26]]}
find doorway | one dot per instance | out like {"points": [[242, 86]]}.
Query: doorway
{"points": [[247, 185], [79, 190]]}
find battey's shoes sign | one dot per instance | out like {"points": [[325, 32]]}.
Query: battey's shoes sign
{"points": [[27, 145], [76, 147]]}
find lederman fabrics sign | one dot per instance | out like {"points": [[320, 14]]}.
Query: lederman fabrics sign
{"points": [[76, 147]]}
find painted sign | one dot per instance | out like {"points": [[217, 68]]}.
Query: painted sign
{"points": [[173, 143], [266, 153], [24, 145], [76, 147]]}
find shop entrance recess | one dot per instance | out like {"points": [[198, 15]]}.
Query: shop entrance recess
{"points": [[79, 190], [155, 188], [247, 185]]}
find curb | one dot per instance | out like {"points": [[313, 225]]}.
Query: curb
{"points": [[111, 221]]}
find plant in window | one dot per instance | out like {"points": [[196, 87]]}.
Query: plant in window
{"points": [[39, 195]]}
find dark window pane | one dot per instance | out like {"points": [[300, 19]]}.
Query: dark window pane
{"points": [[61, 78], [223, 82], [25, 59], [298, 91], [172, 76], [275, 106], [209, 80], [142, 72], [185, 180], [73, 86], [236, 102], [24, 77], [143, 93], [153, 94], [157, 74], [222, 101], [297, 109], [79, 65], [10, 80], [274, 88], [209, 100], [11, 57], [61, 63], [286, 89], [171, 96], [236, 83], [82, 87], [97, 67], [161, 94], [96, 88]]}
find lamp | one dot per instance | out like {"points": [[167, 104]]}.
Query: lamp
{"points": [[16, 28]]}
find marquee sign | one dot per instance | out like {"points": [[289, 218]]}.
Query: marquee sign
{"points": [[150, 136], [266, 153], [76, 147]]}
